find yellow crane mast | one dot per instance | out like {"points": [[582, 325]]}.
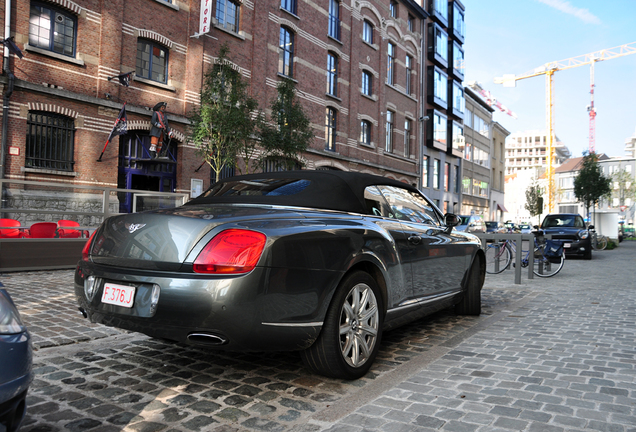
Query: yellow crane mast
{"points": [[548, 70]]}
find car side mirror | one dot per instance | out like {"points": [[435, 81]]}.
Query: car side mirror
{"points": [[451, 220], [591, 227], [535, 227]]}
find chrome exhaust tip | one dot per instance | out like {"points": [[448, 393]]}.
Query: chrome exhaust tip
{"points": [[206, 339]]}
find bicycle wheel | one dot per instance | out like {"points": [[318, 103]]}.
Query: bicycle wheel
{"points": [[601, 243], [498, 257], [547, 267]]}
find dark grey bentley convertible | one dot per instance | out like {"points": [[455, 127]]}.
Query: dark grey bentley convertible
{"points": [[316, 261]]}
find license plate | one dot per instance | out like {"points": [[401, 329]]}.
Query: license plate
{"points": [[567, 245], [120, 295]]}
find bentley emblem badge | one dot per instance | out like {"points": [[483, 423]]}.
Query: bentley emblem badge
{"points": [[134, 227]]}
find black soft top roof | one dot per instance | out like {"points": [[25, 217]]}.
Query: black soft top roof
{"points": [[330, 190]]}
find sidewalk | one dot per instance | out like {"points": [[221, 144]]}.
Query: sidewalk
{"points": [[563, 361]]}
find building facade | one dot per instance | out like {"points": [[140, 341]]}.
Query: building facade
{"points": [[359, 68], [498, 169], [441, 154], [622, 172], [528, 151]]}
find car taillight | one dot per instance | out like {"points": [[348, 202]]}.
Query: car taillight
{"points": [[230, 252], [87, 247]]}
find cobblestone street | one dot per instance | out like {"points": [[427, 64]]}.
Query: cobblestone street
{"points": [[553, 354]]}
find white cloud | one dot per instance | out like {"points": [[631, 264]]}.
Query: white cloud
{"points": [[566, 7]]}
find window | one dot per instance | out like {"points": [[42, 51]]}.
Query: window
{"points": [[286, 52], [52, 29], [410, 23], [436, 173], [468, 152], [389, 131], [152, 61], [227, 15], [275, 164], [440, 8], [458, 99], [458, 59], [439, 128], [409, 73], [456, 177], [330, 130], [407, 137], [409, 206], [288, 5], [334, 19], [367, 83], [367, 32], [50, 141], [393, 9], [466, 189], [390, 63], [332, 74], [438, 44], [458, 21], [447, 178], [440, 86], [365, 132], [458, 137], [424, 171]]}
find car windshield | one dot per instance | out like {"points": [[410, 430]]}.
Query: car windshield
{"points": [[569, 221], [491, 224], [524, 226]]}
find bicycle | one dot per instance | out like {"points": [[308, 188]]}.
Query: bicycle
{"points": [[599, 241], [549, 256]]}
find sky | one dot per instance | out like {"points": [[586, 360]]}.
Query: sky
{"points": [[517, 36]]}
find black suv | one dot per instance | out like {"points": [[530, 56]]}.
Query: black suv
{"points": [[571, 230]]}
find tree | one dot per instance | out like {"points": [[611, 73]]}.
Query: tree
{"points": [[289, 131], [534, 199], [624, 186], [590, 184], [222, 128]]}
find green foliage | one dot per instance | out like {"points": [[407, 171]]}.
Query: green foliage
{"points": [[289, 132], [534, 199], [626, 187], [222, 127], [590, 184]]}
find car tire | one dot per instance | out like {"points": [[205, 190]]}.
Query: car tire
{"points": [[350, 337], [588, 254], [471, 303]]}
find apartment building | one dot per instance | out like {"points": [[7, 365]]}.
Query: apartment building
{"points": [[622, 172], [359, 69], [528, 151], [442, 153]]}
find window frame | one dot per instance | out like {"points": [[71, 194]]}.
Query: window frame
{"points": [[53, 28], [365, 132], [331, 118], [390, 68], [289, 6], [425, 181], [367, 83], [43, 137], [458, 61], [286, 56], [367, 31], [408, 126], [333, 29], [222, 22], [153, 45], [332, 74], [436, 173], [390, 126], [409, 74], [393, 12]]}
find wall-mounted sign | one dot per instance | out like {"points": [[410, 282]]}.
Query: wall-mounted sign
{"points": [[14, 151]]}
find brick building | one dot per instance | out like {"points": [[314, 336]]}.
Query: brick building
{"points": [[360, 69]]}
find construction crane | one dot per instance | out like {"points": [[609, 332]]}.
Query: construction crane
{"points": [[548, 70]]}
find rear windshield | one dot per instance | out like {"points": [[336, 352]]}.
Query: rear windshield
{"points": [[259, 187]]}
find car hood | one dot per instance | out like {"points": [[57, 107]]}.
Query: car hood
{"points": [[164, 239]]}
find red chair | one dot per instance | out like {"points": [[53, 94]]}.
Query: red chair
{"points": [[42, 230], [68, 229], [10, 232]]}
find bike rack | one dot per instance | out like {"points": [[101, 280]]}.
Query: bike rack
{"points": [[518, 240]]}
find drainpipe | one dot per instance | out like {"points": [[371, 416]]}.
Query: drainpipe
{"points": [[7, 94]]}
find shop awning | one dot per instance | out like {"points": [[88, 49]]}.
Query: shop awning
{"points": [[502, 208]]}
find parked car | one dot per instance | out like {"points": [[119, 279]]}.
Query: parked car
{"points": [[16, 359], [511, 227], [569, 228], [495, 227], [471, 224], [316, 261], [525, 228]]}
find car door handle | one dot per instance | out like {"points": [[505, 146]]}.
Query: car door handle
{"points": [[415, 239]]}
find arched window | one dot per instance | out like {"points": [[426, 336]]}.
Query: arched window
{"points": [[367, 83], [50, 141], [334, 19], [365, 132], [286, 52], [330, 129], [52, 29], [332, 74], [152, 61]]}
